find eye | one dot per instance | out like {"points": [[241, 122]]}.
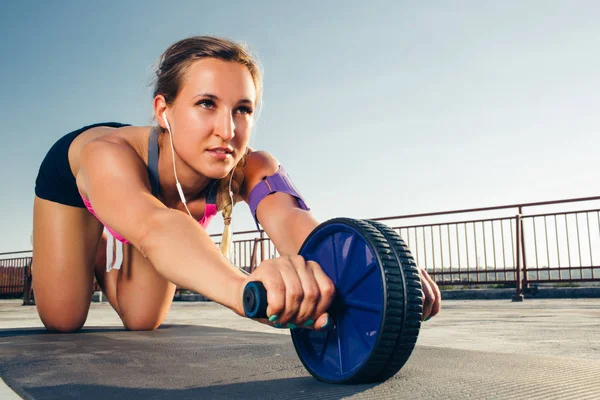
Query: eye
{"points": [[245, 110], [206, 103]]}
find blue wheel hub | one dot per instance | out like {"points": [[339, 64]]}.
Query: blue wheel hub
{"points": [[338, 353]]}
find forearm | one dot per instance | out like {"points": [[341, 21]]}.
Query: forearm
{"points": [[183, 253], [291, 229]]}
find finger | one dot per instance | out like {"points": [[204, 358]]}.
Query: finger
{"points": [[293, 291], [275, 288], [428, 296], [310, 288], [437, 304], [327, 293]]}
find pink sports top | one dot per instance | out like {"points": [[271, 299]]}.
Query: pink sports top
{"points": [[210, 210]]}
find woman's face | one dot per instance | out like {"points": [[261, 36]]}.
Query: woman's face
{"points": [[212, 117]]}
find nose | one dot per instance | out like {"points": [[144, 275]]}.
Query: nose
{"points": [[226, 128]]}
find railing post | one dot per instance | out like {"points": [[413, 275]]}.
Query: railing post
{"points": [[262, 246], [518, 296], [525, 284], [253, 257], [27, 287]]}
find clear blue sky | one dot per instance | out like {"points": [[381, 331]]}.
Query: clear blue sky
{"points": [[375, 108]]}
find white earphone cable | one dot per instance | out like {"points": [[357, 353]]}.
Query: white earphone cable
{"points": [[179, 189]]}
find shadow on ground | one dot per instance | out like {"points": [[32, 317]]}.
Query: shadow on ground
{"points": [[16, 332], [285, 388], [195, 362]]}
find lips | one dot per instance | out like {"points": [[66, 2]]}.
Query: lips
{"points": [[221, 150], [220, 153]]}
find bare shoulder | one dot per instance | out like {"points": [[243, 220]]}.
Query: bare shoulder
{"points": [[129, 137], [259, 164], [111, 155], [133, 137]]}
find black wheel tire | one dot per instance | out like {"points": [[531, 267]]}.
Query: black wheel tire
{"points": [[396, 330], [412, 302]]}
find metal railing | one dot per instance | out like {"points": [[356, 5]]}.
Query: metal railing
{"points": [[15, 273], [504, 247], [513, 249]]}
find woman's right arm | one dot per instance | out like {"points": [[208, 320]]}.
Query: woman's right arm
{"points": [[116, 182]]}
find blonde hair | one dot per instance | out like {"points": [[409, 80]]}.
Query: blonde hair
{"points": [[170, 74], [224, 203]]}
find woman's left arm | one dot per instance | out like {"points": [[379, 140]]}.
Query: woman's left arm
{"points": [[286, 224]]}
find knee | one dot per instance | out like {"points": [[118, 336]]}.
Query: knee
{"points": [[141, 323], [141, 314], [61, 317], [63, 324]]}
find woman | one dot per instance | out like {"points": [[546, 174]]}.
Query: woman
{"points": [[155, 189]]}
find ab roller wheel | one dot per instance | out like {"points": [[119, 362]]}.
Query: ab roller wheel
{"points": [[377, 309]]}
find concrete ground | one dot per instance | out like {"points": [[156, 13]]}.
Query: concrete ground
{"points": [[540, 348], [546, 327]]}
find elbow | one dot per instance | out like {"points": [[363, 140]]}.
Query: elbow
{"points": [[153, 230]]}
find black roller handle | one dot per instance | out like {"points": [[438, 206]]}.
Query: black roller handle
{"points": [[255, 300]]}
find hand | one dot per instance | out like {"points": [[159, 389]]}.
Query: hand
{"points": [[298, 292], [432, 297]]}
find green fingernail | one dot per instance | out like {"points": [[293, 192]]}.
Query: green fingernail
{"points": [[278, 326], [273, 317], [309, 322], [291, 326], [326, 324], [427, 319]]}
